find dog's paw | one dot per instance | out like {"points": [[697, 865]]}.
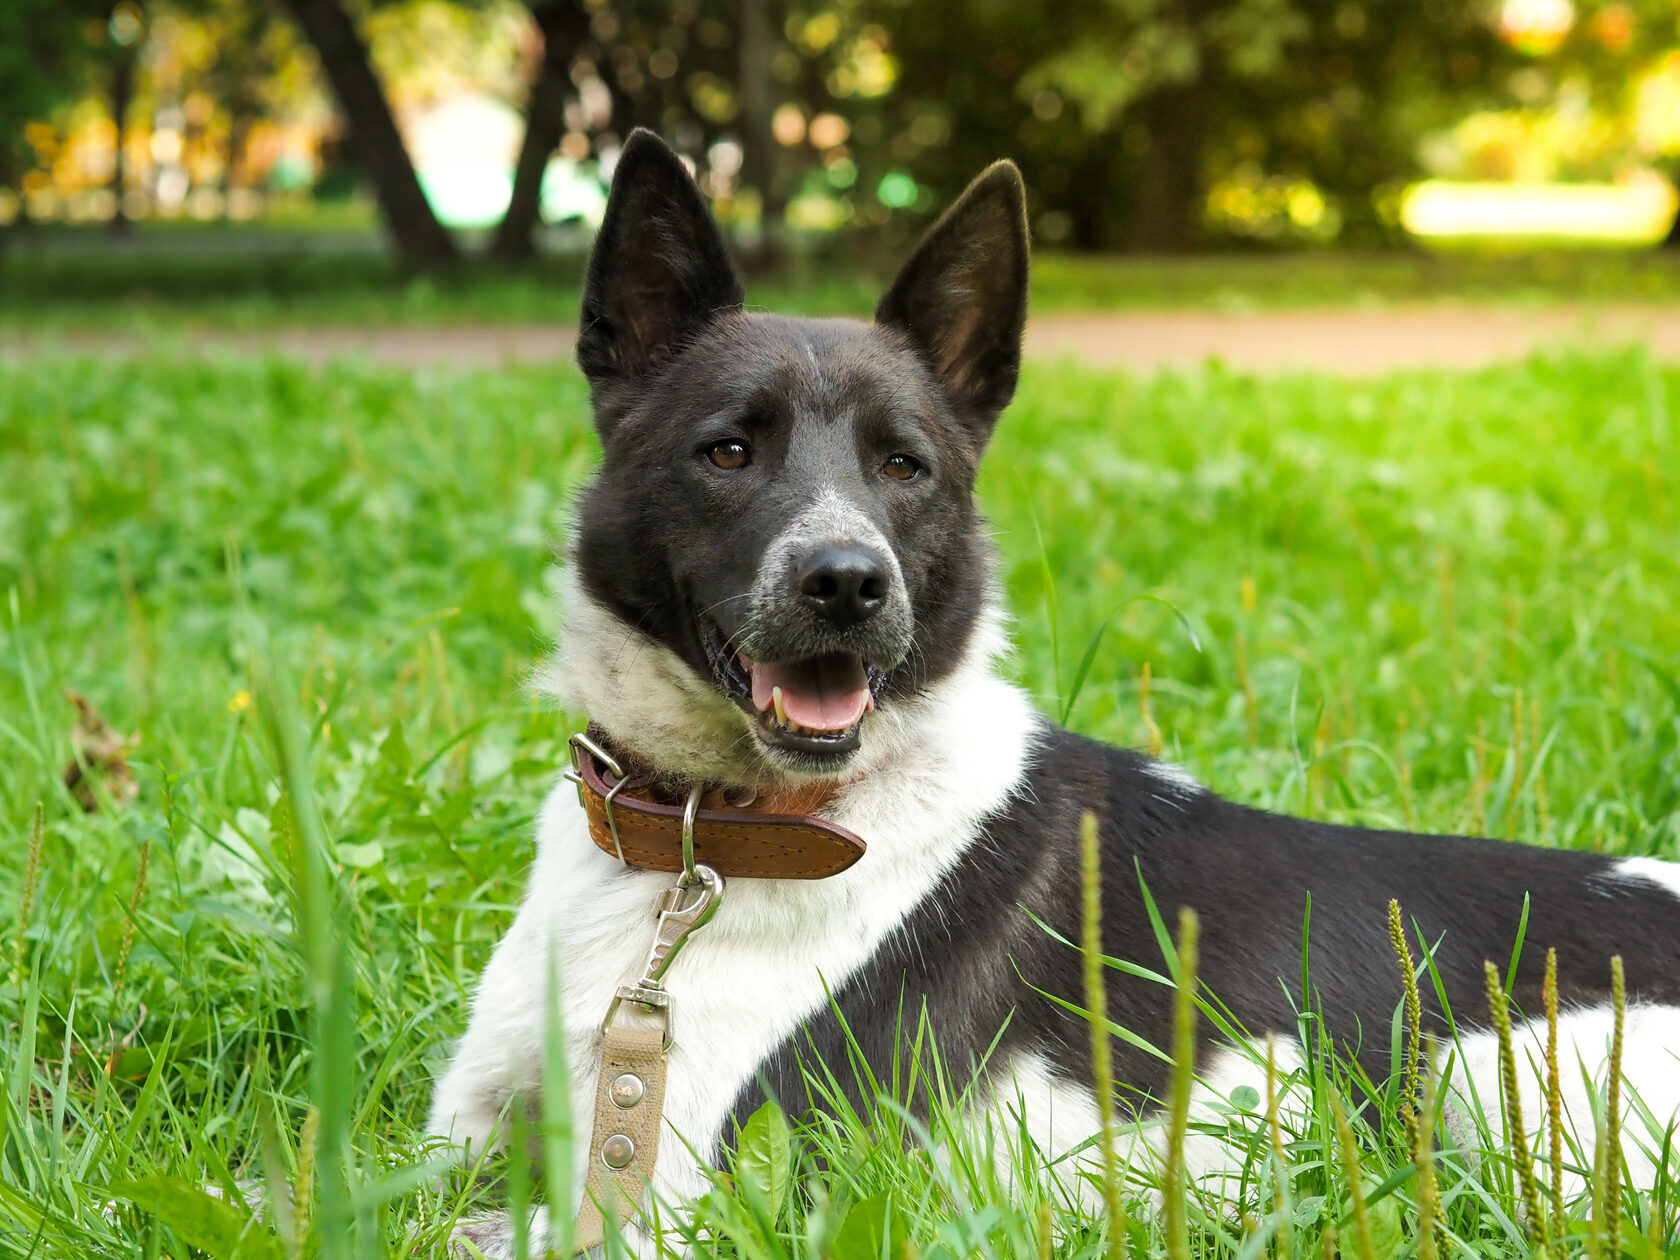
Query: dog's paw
{"points": [[488, 1236], [492, 1237]]}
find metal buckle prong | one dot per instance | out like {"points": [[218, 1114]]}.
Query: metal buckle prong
{"points": [[690, 810], [579, 743]]}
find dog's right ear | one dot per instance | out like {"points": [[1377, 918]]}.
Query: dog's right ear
{"points": [[659, 272], [962, 298]]}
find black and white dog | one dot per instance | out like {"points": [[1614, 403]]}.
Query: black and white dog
{"points": [[780, 575]]}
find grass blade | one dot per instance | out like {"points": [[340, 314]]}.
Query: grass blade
{"points": [[1096, 1002], [1174, 1177]]}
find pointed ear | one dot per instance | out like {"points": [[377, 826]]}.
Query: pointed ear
{"points": [[659, 272], [962, 297]]}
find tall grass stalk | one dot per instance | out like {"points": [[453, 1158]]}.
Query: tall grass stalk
{"points": [[1414, 1021], [1102, 1050], [1154, 742], [1352, 1170], [1499, 1008], [1612, 1144], [1423, 1159], [1175, 1174], [326, 963], [1554, 1093], [1274, 1137], [120, 971], [26, 899], [558, 1125], [303, 1193]]}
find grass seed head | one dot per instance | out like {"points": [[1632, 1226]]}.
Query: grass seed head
{"points": [[1499, 1009]]}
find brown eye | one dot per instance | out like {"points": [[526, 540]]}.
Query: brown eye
{"points": [[730, 455], [902, 468]]}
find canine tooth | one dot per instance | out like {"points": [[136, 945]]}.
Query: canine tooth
{"points": [[869, 702], [776, 703]]}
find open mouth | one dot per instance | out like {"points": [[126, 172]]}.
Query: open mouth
{"points": [[815, 705]]}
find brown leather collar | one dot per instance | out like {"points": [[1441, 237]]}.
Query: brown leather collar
{"points": [[768, 837]]}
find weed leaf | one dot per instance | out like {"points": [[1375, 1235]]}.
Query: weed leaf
{"points": [[764, 1158], [201, 1220], [874, 1229]]}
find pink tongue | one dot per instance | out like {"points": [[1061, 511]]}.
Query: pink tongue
{"points": [[828, 693]]}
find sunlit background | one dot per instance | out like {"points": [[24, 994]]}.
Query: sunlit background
{"points": [[1140, 127]]}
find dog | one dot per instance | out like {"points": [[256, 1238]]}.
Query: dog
{"points": [[779, 581]]}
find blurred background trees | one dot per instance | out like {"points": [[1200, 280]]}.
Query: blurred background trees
{"points": [[51, 52], [1150, 125]]}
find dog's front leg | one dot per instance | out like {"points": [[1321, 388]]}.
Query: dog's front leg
{"points": [[501, 1052], [493, 1237]]}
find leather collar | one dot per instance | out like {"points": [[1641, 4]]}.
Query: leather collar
{"points": [[767, 837]]}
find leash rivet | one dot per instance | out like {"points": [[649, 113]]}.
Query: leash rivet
{"points": [[617, 1151], [627, 1090]]}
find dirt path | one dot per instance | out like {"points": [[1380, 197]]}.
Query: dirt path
{"points": [[1352, 342]]}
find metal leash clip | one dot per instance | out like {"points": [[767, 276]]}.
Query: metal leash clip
{"points": [[682, 909]]}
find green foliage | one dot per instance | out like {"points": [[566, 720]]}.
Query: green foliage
{"points": [[317, 594], [44, 50], [1612, 42], [1122, 112]]}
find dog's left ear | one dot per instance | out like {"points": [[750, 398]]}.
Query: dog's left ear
{"points": [[962, 297], [659, 272]]}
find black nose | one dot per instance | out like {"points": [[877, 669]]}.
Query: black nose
{"points": [[844, 585]]}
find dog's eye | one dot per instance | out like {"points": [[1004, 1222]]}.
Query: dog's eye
{"points": [[901, 468], [730, 455]]}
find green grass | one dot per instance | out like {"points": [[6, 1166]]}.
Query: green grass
{"points": [[1433, 600], [176, 278]]}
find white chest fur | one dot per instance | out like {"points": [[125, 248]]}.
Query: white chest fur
{"points": [[746, 981]]}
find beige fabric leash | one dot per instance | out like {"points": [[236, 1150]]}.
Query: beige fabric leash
{"points": [[629, 1108], [630, 1091]]}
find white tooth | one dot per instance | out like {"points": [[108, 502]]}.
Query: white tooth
{"points": [[869, 702], [776, 703]]}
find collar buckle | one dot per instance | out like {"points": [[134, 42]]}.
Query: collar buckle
{"points": [[581, 744]]}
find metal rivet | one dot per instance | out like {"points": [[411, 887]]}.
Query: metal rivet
{"points": [[617, 1151], [627, 1090]]}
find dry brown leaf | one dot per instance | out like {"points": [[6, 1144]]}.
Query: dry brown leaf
{"points": [[101, 755]]}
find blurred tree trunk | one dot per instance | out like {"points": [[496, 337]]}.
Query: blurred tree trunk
{"points": [[240, 124], [122, 96], [1168, 202], [758, 143], [564, 25], [375, 144]]}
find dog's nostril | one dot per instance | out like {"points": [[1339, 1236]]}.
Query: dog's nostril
{"points": [[873, 589], [822, 585]]}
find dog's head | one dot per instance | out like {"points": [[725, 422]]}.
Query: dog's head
{"points": [[785, 506]]}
